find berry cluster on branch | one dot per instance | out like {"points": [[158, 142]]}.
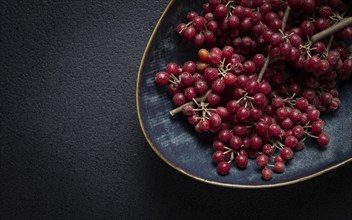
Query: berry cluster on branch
{"points": [[266, 70]]}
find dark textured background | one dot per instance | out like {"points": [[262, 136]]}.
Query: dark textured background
{"points": [[71, 145]]}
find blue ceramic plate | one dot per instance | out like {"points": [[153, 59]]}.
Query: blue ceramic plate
{"points": [[176, 142]]}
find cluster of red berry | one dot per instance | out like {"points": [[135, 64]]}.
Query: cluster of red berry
{"points": [[266, 70]]}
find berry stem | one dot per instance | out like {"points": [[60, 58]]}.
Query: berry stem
{"points": [[177, 110], [331, 30], [262, 71], [267, 60], [329, 44], [284, 19], [332, 36]]}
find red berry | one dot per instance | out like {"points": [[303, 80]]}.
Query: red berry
{"points": [[179, 99], [235, 142], [162, 78], [224, 135], [243, 113], [218, 156], [323, 140], [223, 168], [241, 161], [262, 160], [279, 167], [286, 153], [266, 174], [215, 120], [218, 145], [291, 141]]}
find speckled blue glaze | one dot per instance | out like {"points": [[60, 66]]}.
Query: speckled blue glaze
{"points": [[181, 147]]}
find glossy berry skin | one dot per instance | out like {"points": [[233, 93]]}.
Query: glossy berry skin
{"points": [[262, 160], [323, 140], [317, 127], [261, 127], [218, 86], [162, 78], [291, 141], [251, 87], [259, 99], [224, 135], [171, 68], [211, 74], [230, 79], [268, 149], [235, 142], [267, 174], [281, 113], [218, 145], [193, 119], [215, 120], [186, 79], [277, 102], [279, 167], [201, 87], [301, 104], [256, 142], [204, 125], [255, 114], [187, 110], [298, 131], [203, 54], [275, 130], [259, 60], [179, 99], [286, 153], [241, 161], [243, 113], [218, 156], [223, 168], [313, 115], [189, 32], [307, 28]]}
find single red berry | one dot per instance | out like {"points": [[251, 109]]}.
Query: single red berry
{"points": [[218, 156], [291, 141], [179, 99], [286, 153], [267, 173], [162, 78], [224, 135], [323, 140], [262, 160], [187, 110], [267, 149], [218, 145], [241, 161], [279, 167], [256, 142], [215, 120], [235, 142], [223, 168], [243, 113]]}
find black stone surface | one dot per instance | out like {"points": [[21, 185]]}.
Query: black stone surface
{"points": [[70, 141]]}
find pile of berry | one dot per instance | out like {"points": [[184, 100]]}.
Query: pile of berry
{"points": [[266, 70]]}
